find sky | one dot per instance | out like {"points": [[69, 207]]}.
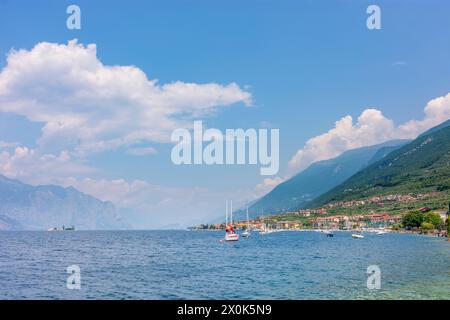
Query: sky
{"points": [[95, 108]]}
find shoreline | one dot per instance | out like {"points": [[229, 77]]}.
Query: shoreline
{"points": [[350, 231]]}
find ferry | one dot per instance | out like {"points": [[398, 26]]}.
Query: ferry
{"points": [[64, 228]]}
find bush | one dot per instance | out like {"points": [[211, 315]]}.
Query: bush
{"points": [[426, 226], [433, 218]]}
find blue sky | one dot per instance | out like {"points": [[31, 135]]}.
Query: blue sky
{"points": [[306, 64]]}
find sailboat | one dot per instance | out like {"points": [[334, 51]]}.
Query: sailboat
{"points": [[329, 233], [265, 229], [246, 233], [230, 233]]}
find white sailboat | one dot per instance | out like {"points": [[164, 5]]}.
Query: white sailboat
{"points": [[230, 233], [264, 226], [266, 229], [246, 233]]}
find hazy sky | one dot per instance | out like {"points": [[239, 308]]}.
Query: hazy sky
{"points": [[96, 113]]}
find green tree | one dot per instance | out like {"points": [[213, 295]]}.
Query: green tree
{"points": [[412, 220], [426, 226], [433, 218]]}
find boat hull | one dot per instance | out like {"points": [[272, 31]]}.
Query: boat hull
{"points": [[232, 237]]}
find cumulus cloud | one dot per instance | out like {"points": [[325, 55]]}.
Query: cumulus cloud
{"points": [[7, 144], [370, 128], [87, 106], [268, 184], [31, 166]]}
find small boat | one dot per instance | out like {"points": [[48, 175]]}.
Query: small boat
{"points": [[230, 233], [381, 232], [329, 233], [357, 236]]}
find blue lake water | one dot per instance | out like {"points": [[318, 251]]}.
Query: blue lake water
{"points": [[195, 265]]}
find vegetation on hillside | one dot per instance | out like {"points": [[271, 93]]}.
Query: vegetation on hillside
{"points": [[422, 166]]}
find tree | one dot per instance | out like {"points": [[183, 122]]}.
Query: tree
{"points": [[433, 218], [412, 220], [426, 226]]}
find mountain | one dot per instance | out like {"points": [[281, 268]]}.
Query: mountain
{"points": [[421, 166], [437, 128], [320, 177], [26, 207]]}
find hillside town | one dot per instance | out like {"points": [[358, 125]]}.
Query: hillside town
{"points": [[323, 218]]}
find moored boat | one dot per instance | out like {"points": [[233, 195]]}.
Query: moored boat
{"points": [[230, 233]]}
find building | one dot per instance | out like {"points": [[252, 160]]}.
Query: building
{"points": [[289, 225]]}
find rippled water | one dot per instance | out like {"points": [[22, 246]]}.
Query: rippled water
{"points": [[195, 265]]}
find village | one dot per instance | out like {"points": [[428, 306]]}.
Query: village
{"points": [[336, 222], [323, 218]]}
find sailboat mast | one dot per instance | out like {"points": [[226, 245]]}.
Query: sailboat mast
{"points": [[226, 213], [248, 223], [231, 212]]}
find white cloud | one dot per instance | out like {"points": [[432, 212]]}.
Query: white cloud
{"points": [[268, 184], [371, 127], [30, 166], [142, 151], [7, 144], [87, 106], [148, 205]]}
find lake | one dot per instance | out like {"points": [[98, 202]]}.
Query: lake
{"points": [[196, 265]]}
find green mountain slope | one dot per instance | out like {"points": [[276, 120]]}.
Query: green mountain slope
{"points": [[319, 178], [421, 166]]}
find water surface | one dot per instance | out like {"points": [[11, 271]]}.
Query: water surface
{"points": [[195, 265]]}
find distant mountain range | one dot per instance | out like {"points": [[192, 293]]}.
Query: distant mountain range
{"points": [[319, 178], [26, 207], [421, 166]]}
